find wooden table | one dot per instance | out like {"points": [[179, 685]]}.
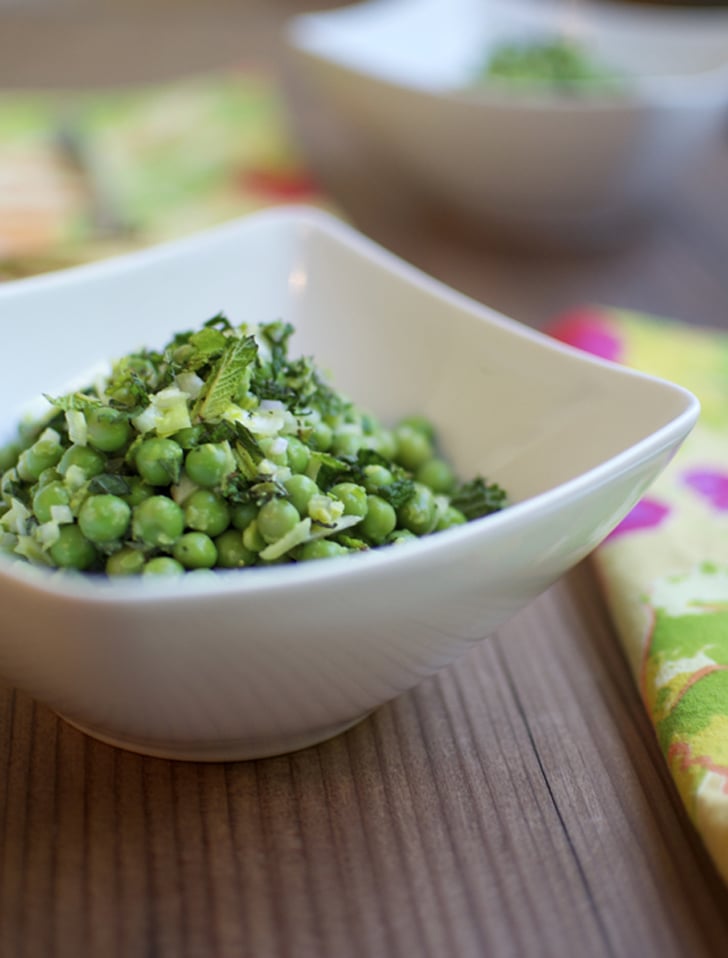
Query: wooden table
{"points": [[514, 805]]}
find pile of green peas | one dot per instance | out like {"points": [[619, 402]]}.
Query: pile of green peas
{"points": [[112, 500]]}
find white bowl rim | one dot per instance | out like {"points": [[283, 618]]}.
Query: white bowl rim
{"points": [[93, 589]]}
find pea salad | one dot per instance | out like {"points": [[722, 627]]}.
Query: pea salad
{"points": [[220, 452]]}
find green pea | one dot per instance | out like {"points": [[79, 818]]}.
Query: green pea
{"points": [[9, 456], [298, 455], [401, 535], [379, 521], [384, 443], [321, 549], [353, 496], [243, 514], [450, 517], [72, 550], [414, 448], [88, 460], [268, 447], [43, 454], [206, 511], [418, 514], [159, 461], [208, 464], [139, 490], [436, 474], [107, 429], [321, 437], [52, 494], [157, 521], [276, 518], [195, 550], [48, 475], [126, 561], [376, 477], [104, 518], [189, 437], [231, 553], [252, 539], [418, 424], [347, 443], [300, 489], [163, 565]]}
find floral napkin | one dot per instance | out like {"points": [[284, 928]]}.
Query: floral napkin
{"points": [[83, 176], [665, 568]]}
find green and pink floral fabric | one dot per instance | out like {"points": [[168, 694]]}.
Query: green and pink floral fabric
{"points": [[665, 568]]}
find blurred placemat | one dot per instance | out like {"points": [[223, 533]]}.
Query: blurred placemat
{"points": [[87, 175], [664, 569]]}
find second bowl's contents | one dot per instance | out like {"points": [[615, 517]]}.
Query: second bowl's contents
{"points": [[220, 451], [552, 64]]}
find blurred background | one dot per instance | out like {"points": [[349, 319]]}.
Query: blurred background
{"points": [[123, 122]]}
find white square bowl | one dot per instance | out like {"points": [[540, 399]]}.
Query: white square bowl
{"points": [[399, 77], [254, 662]]}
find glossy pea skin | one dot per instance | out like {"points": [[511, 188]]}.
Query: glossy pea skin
{"points": [[205, 511], [449, 518], [157, 521], [159, 461], [268, 446], [380, 520], [436, 474], [321, 549], [163, 566], [231, 553], [243, 514], [52, 494], [107, 429], [42, 455], [414, 448], [298, 455], [321, 437], [401, 535], [88, 460], [195, 550], [347, 443], [208, 464], [72, 550], [104, 518], [300, 490], [376, 477], [418, 514], [353, 496], [252, 539], [126, 561], [276, 518]]}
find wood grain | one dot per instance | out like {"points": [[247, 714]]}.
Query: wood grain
{"points": [[514, 805]]}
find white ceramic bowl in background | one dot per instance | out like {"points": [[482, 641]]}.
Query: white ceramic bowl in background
{"points": [[536, 165], [253, 662]]}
